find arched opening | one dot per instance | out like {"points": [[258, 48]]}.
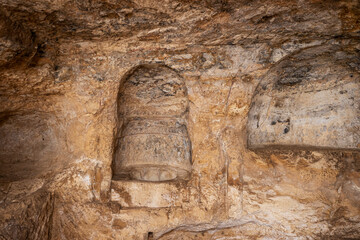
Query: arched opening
{"points": [[152, 141], [28, 146], [309, 100]]}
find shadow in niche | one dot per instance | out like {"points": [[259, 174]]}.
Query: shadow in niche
{"points": [[309, 101], [152, 143], [28, 146], [150, 236]]}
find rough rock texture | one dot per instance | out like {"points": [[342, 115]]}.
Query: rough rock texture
{"points": [[308, 100], [152, 140], [59, 89], [26, 211], [16, 42]]}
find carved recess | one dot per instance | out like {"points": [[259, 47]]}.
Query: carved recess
{"points": [[29, 146], [308, 100], [152, 141]]}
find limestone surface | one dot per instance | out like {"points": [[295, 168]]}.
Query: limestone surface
{"points": [[308, 100], [152, 140], [63, 66]]}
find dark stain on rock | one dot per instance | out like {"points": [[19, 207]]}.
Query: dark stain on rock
{"points": [[123, 193], [286, 129], [119, 224], [293, 76], [114, 207], [279, 103], [126, 196], [234, 182], [343, 91]]}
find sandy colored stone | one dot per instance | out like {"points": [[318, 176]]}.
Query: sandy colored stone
{"points": [[152, 141], [68, 89], [309, 100]]}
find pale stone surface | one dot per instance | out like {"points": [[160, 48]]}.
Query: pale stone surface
{"points": [[153, 195], [222, 50], [309, 100]]}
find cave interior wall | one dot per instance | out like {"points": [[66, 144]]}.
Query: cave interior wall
{"points": [[283, 173]]}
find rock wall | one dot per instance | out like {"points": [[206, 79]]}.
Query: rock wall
{"points": [[59, 119], [308, 100]]}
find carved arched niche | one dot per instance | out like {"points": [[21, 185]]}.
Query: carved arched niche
{"points": [[309, 100], [30, 145], [152, 141]]}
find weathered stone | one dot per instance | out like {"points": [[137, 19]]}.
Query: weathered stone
{"points": [[308, 100], [152, 91], [16, 42], [27, 217], [153, 142], [153, 195], [63, 72], [29, 146]]}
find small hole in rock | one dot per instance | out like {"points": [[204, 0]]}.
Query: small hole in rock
{"points": [[286, 130]]}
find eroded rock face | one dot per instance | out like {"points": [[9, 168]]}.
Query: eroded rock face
{"points": [[26, 211], [67, 90], [308, 100], [16, 42]]}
